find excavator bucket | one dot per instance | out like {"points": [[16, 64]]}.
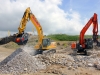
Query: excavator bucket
{"points": [[22, 40]]}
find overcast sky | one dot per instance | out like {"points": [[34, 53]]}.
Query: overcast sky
{"points": [[55, 16]]}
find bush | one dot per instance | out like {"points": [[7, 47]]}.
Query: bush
{"points": [[63, 37]]}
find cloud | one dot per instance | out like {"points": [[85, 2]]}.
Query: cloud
{"points": [[52, 18]]}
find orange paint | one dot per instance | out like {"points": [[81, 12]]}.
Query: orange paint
{"points": [[73, 45], [18, 40]]}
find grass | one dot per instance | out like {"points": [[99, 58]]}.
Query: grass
{"points": [[54, 37], [65, 37]]}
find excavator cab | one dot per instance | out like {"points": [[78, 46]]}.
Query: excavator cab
{"points": [[46, 42], [47, 47]]}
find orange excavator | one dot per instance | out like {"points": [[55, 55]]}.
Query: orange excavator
{"points": [[84, 45]]}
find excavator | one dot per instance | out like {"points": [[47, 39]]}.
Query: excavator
{"points": [[21, 37], [86, 44]]}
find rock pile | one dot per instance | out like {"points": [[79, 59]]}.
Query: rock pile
{"points": [[72, 61], [20, 62]]}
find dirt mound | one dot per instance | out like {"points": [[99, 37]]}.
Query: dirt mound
{"points": [[11, 45], [20, 62], [32, 40]]}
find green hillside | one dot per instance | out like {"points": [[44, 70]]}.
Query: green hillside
{"points": [[65, 37]]}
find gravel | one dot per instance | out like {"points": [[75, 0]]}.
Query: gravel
{"points": [[20, 62], [72, 61]]}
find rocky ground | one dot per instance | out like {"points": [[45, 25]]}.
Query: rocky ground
{"points": [[20, 62]]}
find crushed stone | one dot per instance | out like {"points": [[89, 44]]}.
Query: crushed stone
{"points": [[20, 62]]}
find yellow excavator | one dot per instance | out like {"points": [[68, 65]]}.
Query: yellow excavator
{"points": [[21, 38]]}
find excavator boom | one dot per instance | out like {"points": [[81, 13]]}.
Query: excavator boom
{"points": [[24, 21], [38, 27]]}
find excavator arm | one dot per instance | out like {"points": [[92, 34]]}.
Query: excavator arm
{"points": [[24, 21], [95, 28]]}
